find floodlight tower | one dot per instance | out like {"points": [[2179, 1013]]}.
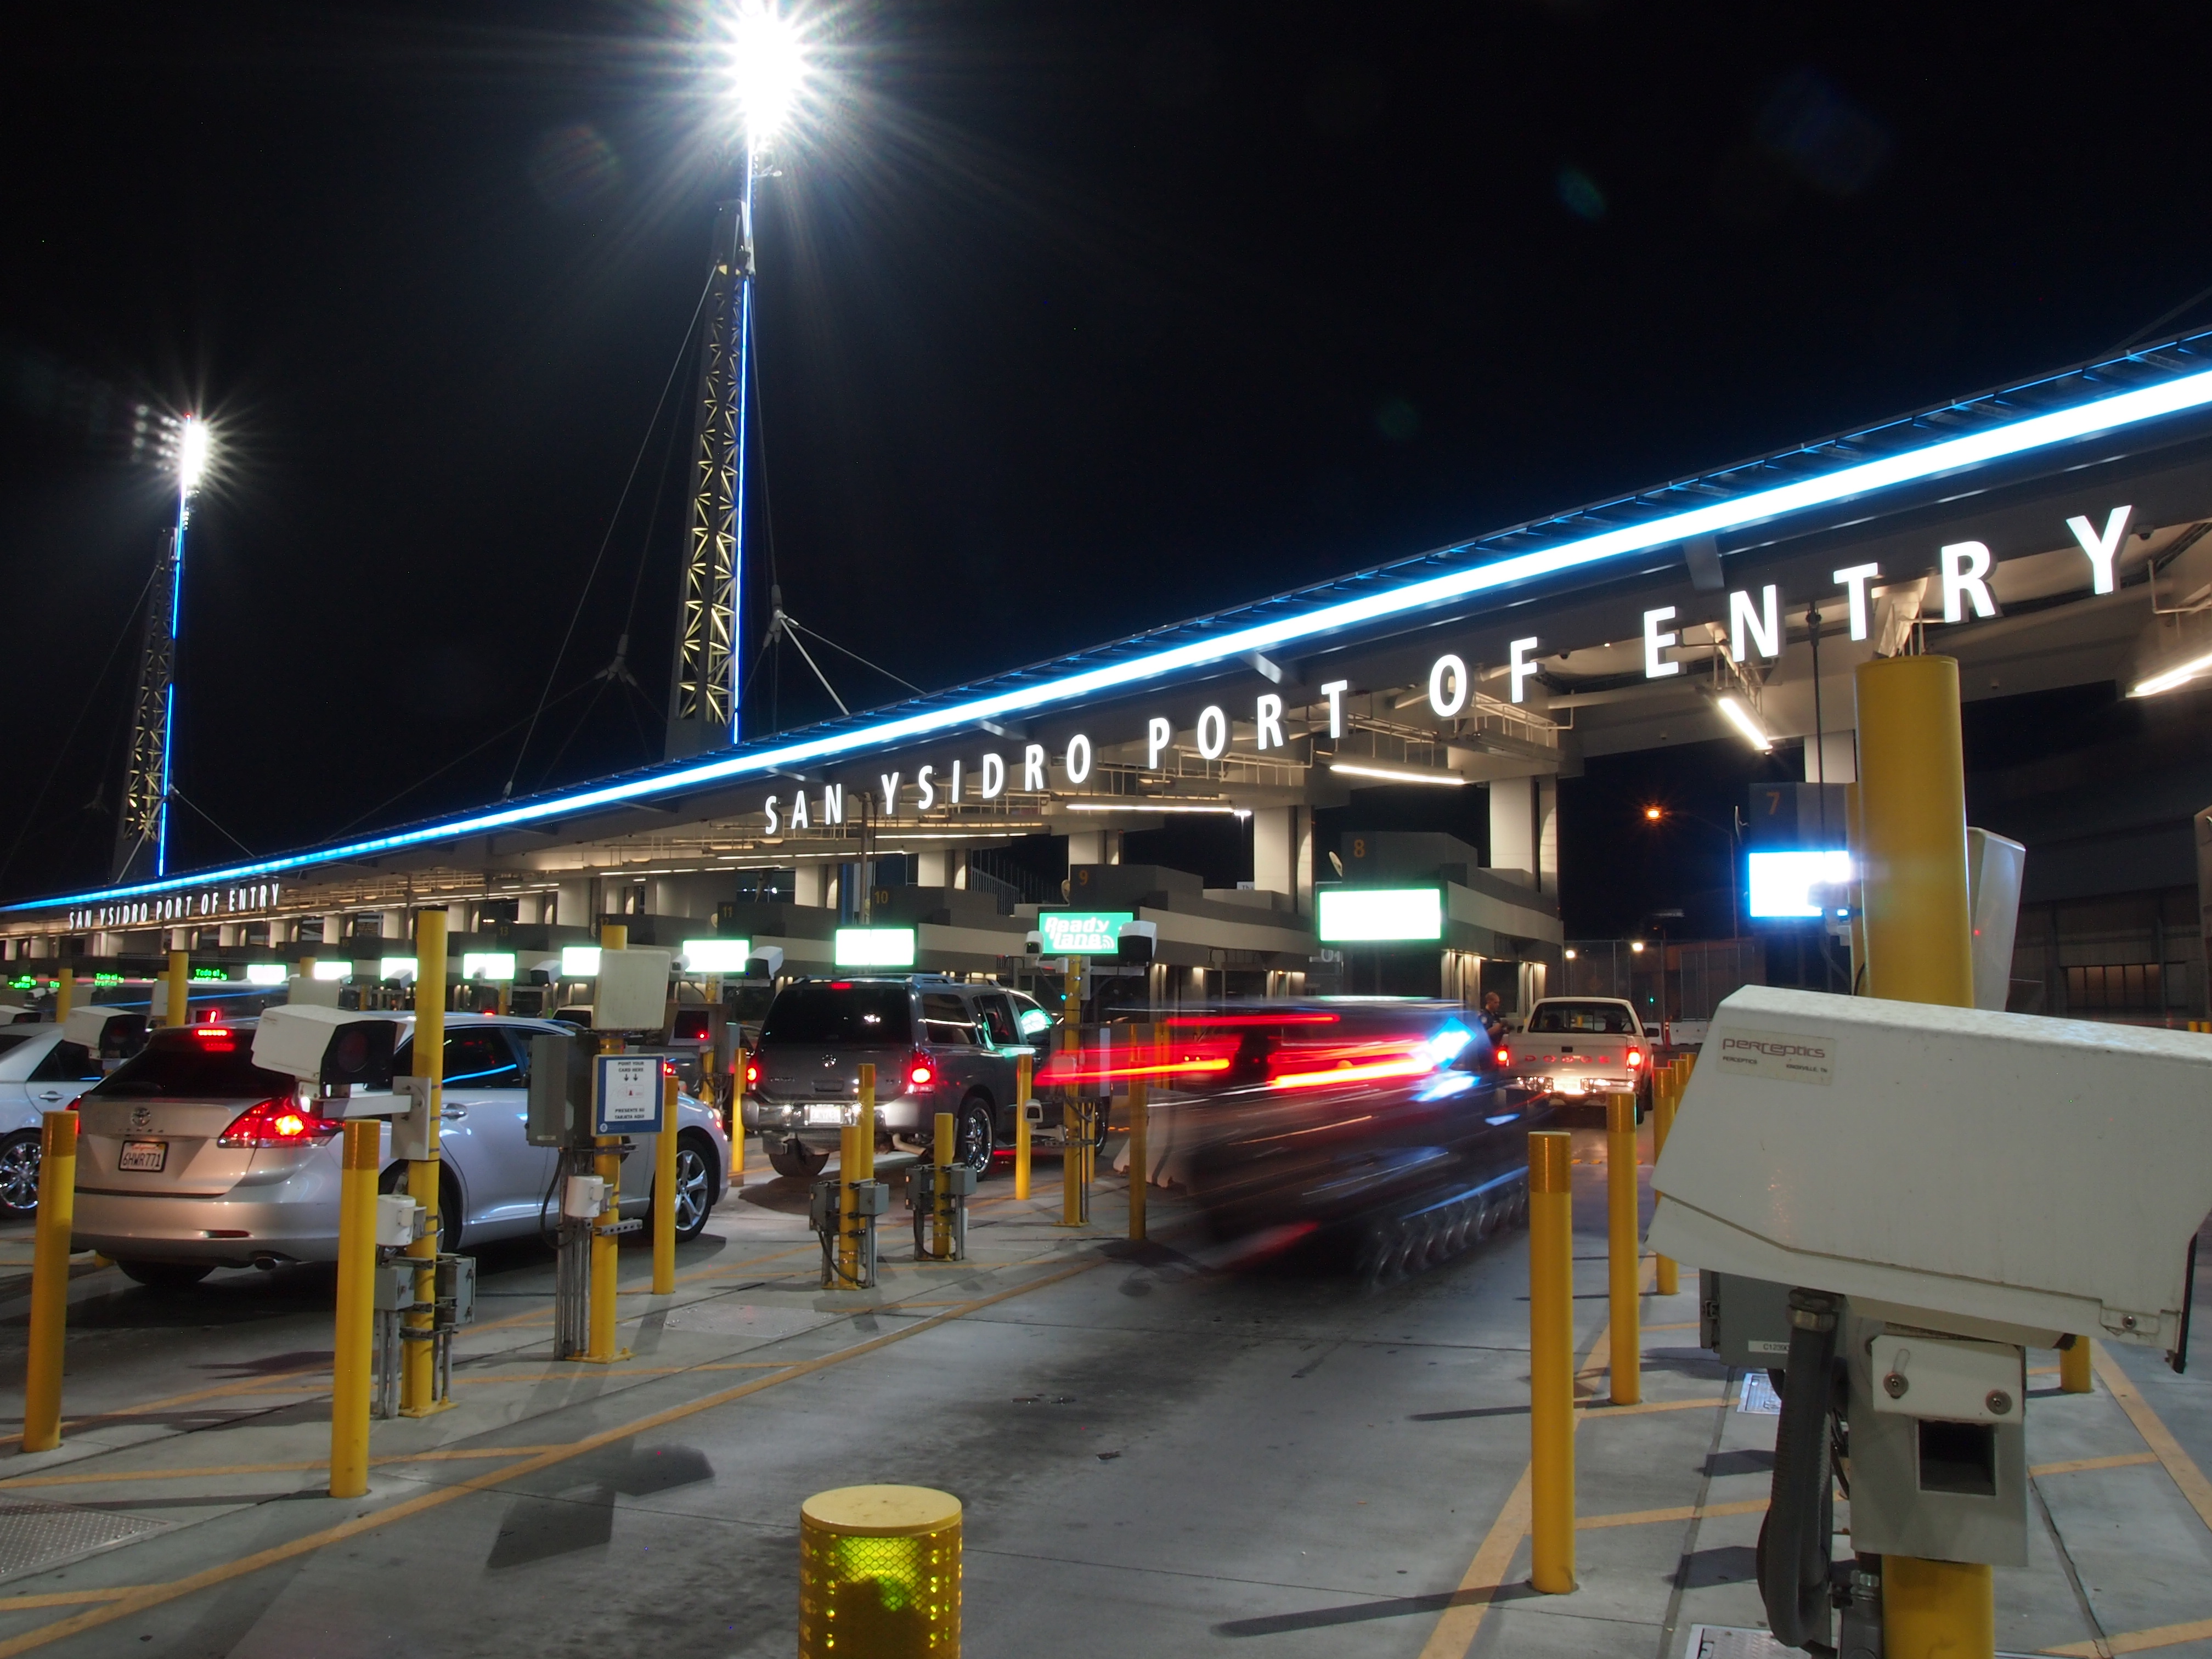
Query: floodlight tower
{"points": [[766, 71], [142, 837]]}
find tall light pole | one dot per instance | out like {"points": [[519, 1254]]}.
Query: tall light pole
{"points": [[142, 841], [1734, 833], [766, 72]]}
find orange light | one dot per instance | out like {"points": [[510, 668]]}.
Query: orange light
{"points": [[291, 1125], [1652, 813]]}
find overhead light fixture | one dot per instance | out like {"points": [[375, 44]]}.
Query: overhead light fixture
{"points": [[2172, 679], [580, 961], [266, 973], [1745, 722], [1155, 806], [1397, 773]]}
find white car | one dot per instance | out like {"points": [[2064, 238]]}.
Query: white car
{"points": [[40, 1072], [192, 1158]]}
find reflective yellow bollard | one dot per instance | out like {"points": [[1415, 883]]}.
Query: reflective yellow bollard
{"points": [[1664, 1101], [664, 1191], [64, 993], [1551, 1362], [856, 1162], [737, 1116], [180, 1011], [1623, 1250], [879, 1574], [48, 1333], [418, 1382], [940, 1203], [355, 1336], [1025, 1069], [2074, 1368]]}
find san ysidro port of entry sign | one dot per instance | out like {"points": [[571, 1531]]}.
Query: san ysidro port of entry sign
{"points": [[1082, 933]]}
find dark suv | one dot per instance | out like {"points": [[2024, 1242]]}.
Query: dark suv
{"points": [[937, 1045]]}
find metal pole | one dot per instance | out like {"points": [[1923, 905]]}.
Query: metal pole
{"points": [[42, 1377], [418, 1380], [1912, 806], [737, 1114], [1141, 1109], [1666, 1094], [1551, 1362], [1024, 1068], [940, 1203], [664, 1191], [355, 1332], [2074, 1368], [1627, 1363], [179, 1012]]}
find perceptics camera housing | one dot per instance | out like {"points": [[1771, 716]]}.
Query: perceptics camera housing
{"points": [[1937, 1189]]}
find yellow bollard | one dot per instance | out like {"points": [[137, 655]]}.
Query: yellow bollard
{"points": [[180, 986], [65, 993], [418, 1378], [856, 1162], [1663, 1103], [879, 1574], [50, 1254], [354, 1340], [737, 1116], [1623, 1250], [664, 1191], [1140, 1110], [1551, 1362], [940, 1204], [1919, 948], [607, 1165], [2074, 1368], [1023, 1070]]}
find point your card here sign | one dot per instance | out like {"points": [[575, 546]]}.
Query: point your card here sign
{"points": [[1082, 933]]}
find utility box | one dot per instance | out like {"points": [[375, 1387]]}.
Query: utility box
{"points": [[559, 1113], [1746, 1322], [457, 1291], [632, 992]]}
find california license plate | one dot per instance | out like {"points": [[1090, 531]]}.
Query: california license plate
{"points": [[148, 1155], [818, 1115]]}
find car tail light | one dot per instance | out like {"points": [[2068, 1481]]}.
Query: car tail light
{"points": [[752, 1073], [920, 1074], [1505, 1057], [283, 1121], [216, 1039], [1635, 1058]]}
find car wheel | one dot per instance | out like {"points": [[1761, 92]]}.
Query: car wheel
{"points": [[394, 1179], [19, 1174], [164, 1275], [972, 1137], [695, 1184], [795, 1158]]}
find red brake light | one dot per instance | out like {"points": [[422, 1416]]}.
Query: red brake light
{"points": [[920, 1074], [1505, 1057], [207, 1032], [283, 1121], [216, 1039], [1635, 1058], [752, 1073]]}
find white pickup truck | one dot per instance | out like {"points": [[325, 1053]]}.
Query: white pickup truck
{"points": [[1574, 1047]]}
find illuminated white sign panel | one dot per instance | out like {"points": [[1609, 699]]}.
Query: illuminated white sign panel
{"points": [[1782, 883], [1081, 932], [1354, 916], [497, 966], [266, 973], [395, 968], [716, 955], [875, 947], [580, 961], [329, 970]]}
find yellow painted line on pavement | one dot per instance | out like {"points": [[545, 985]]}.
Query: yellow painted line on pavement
{"points": [[1462, 1621], [2179, 1465], [63, 1598], [2141, 1641], [151, 1596], [2078, 1465], [1684, 1512]]}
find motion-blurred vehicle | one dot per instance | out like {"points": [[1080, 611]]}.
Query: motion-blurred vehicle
{"points": [[937, 1045], [190, 1157], [40, 1072], [1325, 1112], [1584, 1047]]}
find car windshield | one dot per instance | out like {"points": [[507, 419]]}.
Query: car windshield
{"points": [[840, 1012], [1582, 1019], [204, 1063]]}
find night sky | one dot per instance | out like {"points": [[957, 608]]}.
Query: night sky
{"points": [[1074, 319]]}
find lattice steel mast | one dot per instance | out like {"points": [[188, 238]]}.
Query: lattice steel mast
{"points": [[142, 833], [703, 710]]}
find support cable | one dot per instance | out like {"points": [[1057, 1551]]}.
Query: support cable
{"points": [[683, 350], [504, 732]]}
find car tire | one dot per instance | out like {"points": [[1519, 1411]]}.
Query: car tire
{"points": [[697, 1189], [394, 1179], [974, 1136], [165, 1275], [18, 1175], [794, 1158]]}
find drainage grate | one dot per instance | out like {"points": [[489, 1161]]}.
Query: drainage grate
{"points": [[33, 1535]]}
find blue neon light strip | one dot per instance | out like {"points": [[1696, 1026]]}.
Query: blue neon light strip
{"points": [[2019, 437]]}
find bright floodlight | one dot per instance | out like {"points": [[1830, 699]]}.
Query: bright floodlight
{"points": [[767, 68], [191, 453]]}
